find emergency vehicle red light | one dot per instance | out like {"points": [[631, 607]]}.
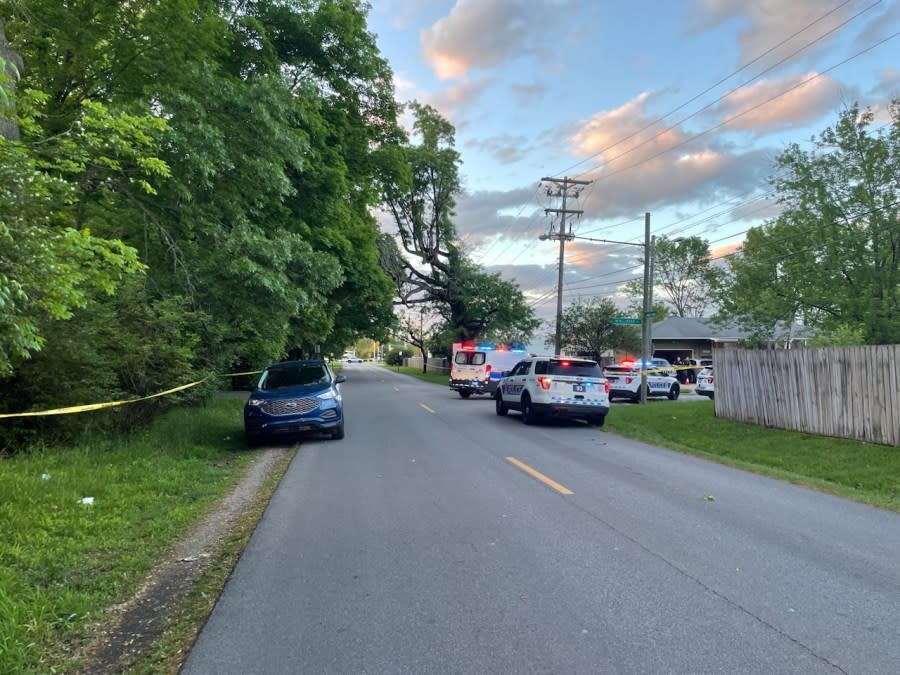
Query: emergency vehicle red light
{"points": [[565, 363], [607, 386], [544, 381]]}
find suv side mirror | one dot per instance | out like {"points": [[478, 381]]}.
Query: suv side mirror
{"points": [[340, 378]]}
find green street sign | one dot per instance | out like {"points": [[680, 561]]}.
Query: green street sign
{"points": [[649, 313], [628, 320]]}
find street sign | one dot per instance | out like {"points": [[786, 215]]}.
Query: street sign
{"points": [[649, 313], [628, 320]]}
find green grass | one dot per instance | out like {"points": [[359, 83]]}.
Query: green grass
{"points": [[436, 378], [865, 472], [62, 563]]}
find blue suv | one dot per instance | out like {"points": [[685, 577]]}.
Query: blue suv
{"points": [[294, 397]]}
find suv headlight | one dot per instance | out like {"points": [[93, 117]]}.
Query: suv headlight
{"points": [[255, 402], [331, 393]]}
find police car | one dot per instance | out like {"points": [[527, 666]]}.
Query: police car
{"points": [[706, 383], [554, 386], [625, 382]]}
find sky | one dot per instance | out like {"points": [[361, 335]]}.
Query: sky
{"points": [[676, 108]]}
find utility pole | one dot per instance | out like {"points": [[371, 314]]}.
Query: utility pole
{"points": [[562, 235], [646, 336]]}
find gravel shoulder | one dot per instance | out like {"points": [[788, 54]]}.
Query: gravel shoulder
{"points": [[133, 628]]}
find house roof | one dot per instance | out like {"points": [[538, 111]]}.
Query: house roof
{"points": [[687, 328]]}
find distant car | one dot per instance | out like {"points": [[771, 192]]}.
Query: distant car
{"points": [[691, 369], [625, 382], [354, 359], [706, 383], [292, 398], [554, 386], [660, 367]]}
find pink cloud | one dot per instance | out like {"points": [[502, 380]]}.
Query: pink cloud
{"points": [[483, 33], [771, 105]]}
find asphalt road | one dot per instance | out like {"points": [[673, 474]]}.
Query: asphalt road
{"points": [[416, 545]]}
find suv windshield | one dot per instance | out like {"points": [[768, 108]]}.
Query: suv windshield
{"points": [[574, 368], [276, 378]]}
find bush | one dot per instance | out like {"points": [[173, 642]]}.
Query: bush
{"points": [[394, 358]]}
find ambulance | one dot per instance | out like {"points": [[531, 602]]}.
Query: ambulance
{"points": [[477, 367]]}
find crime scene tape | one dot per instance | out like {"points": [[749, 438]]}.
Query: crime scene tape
{"points": [[113, 404]]}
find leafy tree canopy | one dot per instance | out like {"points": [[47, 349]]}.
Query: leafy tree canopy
{"points": [[588, 328], [428, 266], [684, 278], [832, 258]]}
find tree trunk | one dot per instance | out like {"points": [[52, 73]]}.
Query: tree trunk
{"points": [[12, 65]]}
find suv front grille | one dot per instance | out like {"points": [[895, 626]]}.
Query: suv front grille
{"points": [[290, 406]]}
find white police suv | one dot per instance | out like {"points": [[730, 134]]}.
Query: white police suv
{"points": [[625, 382], [554, 386], [706, 383]]}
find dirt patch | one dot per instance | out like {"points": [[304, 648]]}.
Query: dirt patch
{"points": [[135, 626]]}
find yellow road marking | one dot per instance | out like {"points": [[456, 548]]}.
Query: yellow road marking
{"points": [[534, 473], [422, 405]]}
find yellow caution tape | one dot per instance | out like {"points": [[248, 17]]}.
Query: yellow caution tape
{"points": [[112, 404]]}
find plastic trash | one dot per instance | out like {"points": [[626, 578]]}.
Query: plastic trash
{"points": [[87, 501], [45, 476]]}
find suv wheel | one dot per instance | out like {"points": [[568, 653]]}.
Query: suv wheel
{"points": [[528, 414], [499, 406], [674, 391], [598, 420]]}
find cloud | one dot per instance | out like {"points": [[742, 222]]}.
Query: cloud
{"points": [[888, 82], [768, 23], [450, 101], [527, 94], [771, 105], [484, 33], [494, 217], [506, 149], [725, 250], [882, 24], [638, 162]]}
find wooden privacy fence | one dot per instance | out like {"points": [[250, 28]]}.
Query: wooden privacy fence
{"points": [[848, 392]]}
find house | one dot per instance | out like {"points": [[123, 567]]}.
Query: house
{"points": [[692, 338]]}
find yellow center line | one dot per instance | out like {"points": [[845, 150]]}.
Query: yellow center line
{"points": [[534, 473], [422, 405]]}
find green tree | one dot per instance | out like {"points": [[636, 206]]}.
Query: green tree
{"points": [[244, 181], [832, 258], [54, 258], [684, 278], [588, 328], [428, 266]]}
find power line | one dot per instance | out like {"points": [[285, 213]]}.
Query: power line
{"points": [[731, 119], [721, 81]]}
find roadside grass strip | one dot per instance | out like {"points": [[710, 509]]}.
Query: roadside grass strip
{"points": [[80, 527], [866, 472]]}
